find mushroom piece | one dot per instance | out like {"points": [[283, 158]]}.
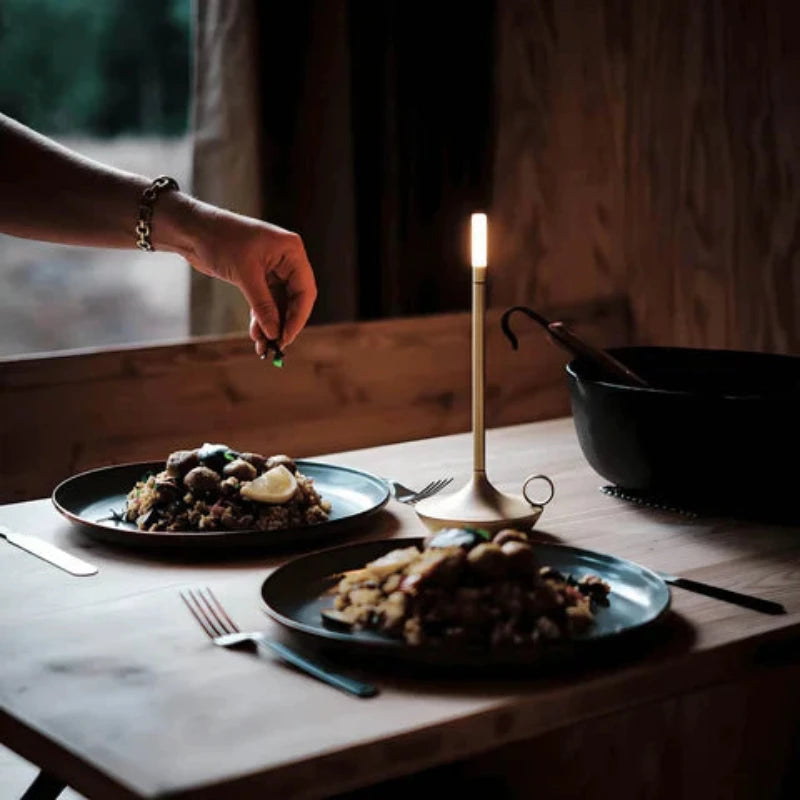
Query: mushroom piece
{"points": [[202, 481], [488, 560], [282, 460], [167, 489], [256, 459], [216, 456], [521, 559], [241, 469], [509, 535], [181, 461], [229, 487]]}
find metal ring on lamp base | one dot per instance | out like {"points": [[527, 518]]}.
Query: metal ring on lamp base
{"points": [[538, 477]]}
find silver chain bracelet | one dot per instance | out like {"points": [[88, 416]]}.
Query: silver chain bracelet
{"points": [[146, 203]]}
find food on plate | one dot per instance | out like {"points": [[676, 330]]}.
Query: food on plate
{"points": [[214, 487], [276, 485], [466, 588]]}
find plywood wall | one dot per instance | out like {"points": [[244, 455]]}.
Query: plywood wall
{"points": [[652, 149]]}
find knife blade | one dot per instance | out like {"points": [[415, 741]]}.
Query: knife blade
{"points": [[48, 552], [728, 595]]}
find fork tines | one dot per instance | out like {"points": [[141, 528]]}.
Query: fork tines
{"points": [[208, 611], [431, 489]]}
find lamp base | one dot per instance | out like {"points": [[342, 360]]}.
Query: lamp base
{"points": [[478, 505]]}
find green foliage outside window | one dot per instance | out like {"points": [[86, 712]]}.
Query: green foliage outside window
{"points": [[99, 68]]}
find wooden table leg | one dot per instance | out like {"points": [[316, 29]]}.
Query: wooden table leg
{"points": [[44, 787]]}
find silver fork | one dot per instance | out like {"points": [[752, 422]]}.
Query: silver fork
{"points": [[224, 632], [405, 495]]}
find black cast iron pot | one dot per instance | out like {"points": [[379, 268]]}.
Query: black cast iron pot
{"points": [[719, 430]]}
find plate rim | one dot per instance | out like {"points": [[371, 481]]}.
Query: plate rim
{"points": [[389, 645], [183, 539]]}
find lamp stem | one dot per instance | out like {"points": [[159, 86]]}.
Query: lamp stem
{"points": [[478, 370]]}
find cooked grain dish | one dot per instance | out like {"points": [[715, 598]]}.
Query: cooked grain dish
{"points": [[215, 488], [464, 588]]}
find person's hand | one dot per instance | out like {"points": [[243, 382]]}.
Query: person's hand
{"points": [[267, 263]]}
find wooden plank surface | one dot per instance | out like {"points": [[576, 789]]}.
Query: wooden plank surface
{"points": [[343, 386], [108, 682], [652, 148]]}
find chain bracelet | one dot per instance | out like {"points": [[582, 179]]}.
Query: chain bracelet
{"points": [[146, 203]]}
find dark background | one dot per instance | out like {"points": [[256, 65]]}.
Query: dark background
{"points": [[647, 152]]}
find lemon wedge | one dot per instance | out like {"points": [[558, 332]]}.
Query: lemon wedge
{"points": [[276, 485]]}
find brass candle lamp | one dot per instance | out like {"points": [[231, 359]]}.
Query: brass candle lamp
{"points": [[479, 504]]}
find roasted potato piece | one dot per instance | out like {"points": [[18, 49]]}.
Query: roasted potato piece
{"points": [[393, 561], [440, 566]]}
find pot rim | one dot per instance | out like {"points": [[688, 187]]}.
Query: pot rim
{"points": [[572, 369]]}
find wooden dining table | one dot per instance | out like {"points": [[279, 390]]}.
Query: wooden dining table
{"points": [[109, 686]]}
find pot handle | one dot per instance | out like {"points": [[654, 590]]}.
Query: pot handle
{"points": [[529, 480]]}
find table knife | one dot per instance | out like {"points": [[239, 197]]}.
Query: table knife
{"points": [[728, 595], [48, 552]]}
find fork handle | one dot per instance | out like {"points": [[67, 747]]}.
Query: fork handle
{"points": [[346, 684]]}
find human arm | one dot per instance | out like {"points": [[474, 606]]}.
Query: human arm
{"points": [[50, 193]]}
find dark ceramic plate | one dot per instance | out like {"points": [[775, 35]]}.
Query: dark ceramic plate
{"points": [[294, 595], [89, 499]]}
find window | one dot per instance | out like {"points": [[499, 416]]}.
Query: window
{"points": [[112, 81]]}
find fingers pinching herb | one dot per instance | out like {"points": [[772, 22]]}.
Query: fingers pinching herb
{"points": [[277, 354]]}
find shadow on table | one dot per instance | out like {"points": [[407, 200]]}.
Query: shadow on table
{"points": [[755, 530], [383, 525], [549, 668], [735, 506]]}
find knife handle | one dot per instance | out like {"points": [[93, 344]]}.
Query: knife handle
{"points": [[342, 682], [729, 596]]}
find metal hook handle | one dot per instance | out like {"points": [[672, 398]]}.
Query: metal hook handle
{"points": [[530, 479], [576, 346], [505, 322]]}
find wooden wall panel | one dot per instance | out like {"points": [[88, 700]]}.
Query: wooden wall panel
{"points": [[652, 149], [344, 386]]}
